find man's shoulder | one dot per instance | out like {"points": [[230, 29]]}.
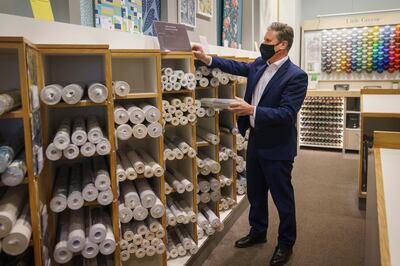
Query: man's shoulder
{"points": [[296, 70]]}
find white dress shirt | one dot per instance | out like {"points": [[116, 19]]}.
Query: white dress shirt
{"points": [[262, 83]]}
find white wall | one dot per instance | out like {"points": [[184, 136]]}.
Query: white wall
{"points": [[313, 8]]}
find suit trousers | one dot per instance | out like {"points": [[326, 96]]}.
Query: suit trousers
{"points": [[274, 176]]}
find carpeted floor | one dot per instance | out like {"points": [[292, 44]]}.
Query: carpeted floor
{"points": [[330, 225]]}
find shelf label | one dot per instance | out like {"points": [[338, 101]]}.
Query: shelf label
{"points": [[172, 37]]}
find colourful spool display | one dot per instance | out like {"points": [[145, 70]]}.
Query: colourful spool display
{"points": [[361, 49]]}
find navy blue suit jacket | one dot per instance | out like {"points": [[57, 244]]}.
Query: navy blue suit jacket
{"points": [[275, 122]]}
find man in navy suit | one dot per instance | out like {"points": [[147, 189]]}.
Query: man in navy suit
{"points": [[275, 91]]}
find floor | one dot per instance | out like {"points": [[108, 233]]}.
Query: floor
{"points": [[330, 225]]}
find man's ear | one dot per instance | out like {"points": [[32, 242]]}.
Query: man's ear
{"points": [[284, 45]]}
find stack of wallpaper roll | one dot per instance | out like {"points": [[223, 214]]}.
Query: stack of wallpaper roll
{"points": [[131, 163], [137, 120], [242, 141], [208, 189], [240, 164], [175, 80], [138, 200], [12, 160], [205, 135], [204, 111], [241, 184], [208, 221], [77, 136], [180, 111], [74, 185], [15, 221], [207, 165], [226, 203], [86, 231], [226, 154], [142, 238], [225, 181], [178, 211], [73, 93], [9, 100], [121, 88], [175, 181], [176, 148], [179, 243], [212, 77]]}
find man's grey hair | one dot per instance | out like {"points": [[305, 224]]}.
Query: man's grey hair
{"points": [[284, 33]]}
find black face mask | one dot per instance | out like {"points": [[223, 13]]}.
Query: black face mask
{"points": [[267, 51]]}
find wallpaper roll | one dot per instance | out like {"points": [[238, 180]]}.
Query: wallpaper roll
{"points": [[179, 73], [223, 79], [191, 85], [189, 211], [152, 114], [226, 180], [184, 82], [141, 228], [202, 220], [125, 255], [88, 149], [214, 82], [103, 147], [194, 248], [184, 107], [132, 248], [89, 190], [153, 224], [139, 131], [205, 71], [136, 114], [200, 232], [204, 184], [201, 112], [140, 253], [15, 172], [211, 217], [17, 241], [102, 176], [175, 183], [120, 171], [167, 71], [145, 243], [125, 213], [229, 130], [51, 94], [9, 100], [71, 152], [191, 109], [94, 130], [108, 245], [204, 82], [169, 87], [160, 248], [150, 251], [105, 197], [147, 196], [184, 237], [97, 231], [61, 252], [76, 236], [121, 88], [183, 120], [52, 153], [199, 162], [168, 188], [158, 210], [157, 170], [160, 233], [215, 167], [140, 213], [136, 161], [210, 112], [97, 92], [127, 165], [173, 79], [205, 197], [178, 113], [72, 93], [124, 132], [164, 78], [215, 184], [127, 231], [223, 156], [168, 153], [154, 129], [175, 121], [62, 136], [79, 135], [184, 181], [75, 199], [215, 195], [191, 118], [207, 136], [129, 194], [121, 115], [171, 219], [171, 109], [58, 202], [197, 74], [90, 249], [181, 250], [171, 248]]}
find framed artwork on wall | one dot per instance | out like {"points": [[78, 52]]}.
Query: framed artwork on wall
{"points": [[187, 13], [151, 12], [205, 8], [232, 12]]}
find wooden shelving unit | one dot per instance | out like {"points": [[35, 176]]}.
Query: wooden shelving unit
{"points": [[19, 68], [73, 63]]}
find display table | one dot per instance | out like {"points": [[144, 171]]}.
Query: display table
{"points": [[383, 211]]}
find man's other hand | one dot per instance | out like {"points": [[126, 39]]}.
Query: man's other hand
{"points": [[200, 54], [241, 107]]}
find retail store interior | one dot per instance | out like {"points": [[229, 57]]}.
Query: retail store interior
{"points": [[199, 132]]}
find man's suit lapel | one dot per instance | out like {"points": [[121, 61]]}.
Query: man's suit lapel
{"points": [[281, 71], [249, 92]]}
